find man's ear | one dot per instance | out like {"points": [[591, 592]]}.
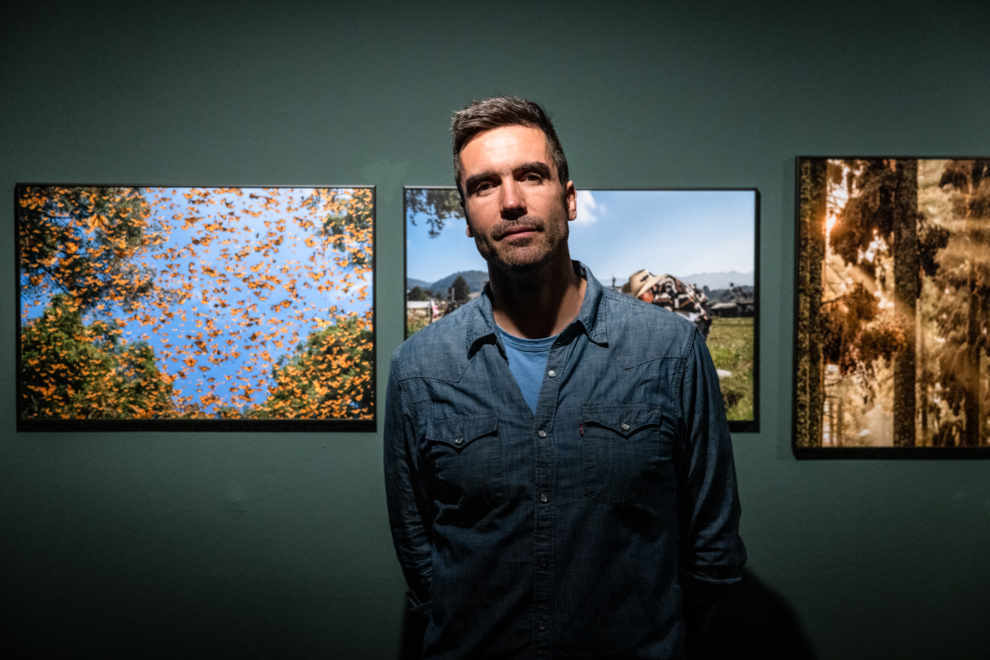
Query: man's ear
{"points": [[570, 200]]}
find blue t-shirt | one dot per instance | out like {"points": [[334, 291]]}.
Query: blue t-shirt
{"points": [[527, 362]]}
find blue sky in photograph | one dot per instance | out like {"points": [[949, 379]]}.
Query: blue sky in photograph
{"points": [[617, 232], [250, 329], [431, 259]]}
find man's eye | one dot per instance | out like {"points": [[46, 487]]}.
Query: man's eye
{"points": [[482, 187]]}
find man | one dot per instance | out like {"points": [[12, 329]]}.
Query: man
{"points": [[670, 293], [558, 465]]}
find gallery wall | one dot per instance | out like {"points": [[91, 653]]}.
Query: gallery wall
{"points": [[277, 545]]}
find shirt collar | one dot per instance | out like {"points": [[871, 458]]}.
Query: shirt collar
{"points": [[481, 326]]}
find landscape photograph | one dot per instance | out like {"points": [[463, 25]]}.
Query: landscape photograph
{"points": [[893, 306], [694, 249], [149, 304]]}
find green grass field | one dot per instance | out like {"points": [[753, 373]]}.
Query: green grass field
{"points": [[730, 342], [416, 323]]}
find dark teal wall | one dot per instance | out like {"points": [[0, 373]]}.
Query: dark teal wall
{"points": [[278, 544]]}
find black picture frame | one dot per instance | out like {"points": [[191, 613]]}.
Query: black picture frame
{"points": [[810, 417], [368, 313], [735, 426]]}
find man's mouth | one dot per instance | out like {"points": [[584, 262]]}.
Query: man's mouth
{"points": [[519, 232]]}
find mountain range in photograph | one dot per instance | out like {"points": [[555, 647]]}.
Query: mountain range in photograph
{"points": [[476, 280]]}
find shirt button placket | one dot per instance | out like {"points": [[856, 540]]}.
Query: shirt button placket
{"points": [[543, 586], [545, 509]]}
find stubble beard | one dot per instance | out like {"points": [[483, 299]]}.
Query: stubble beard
{"points": [[540, 249]]}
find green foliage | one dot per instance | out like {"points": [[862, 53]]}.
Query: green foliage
{"points": [[462, 292], [420, 294], [71, 370], [82, 242], [439, 206], [327, 376], [350, 232], [227, 412], [416, 323]]}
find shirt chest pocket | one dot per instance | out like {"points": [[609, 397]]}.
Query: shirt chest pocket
{"points": [[622, 452], [465, 455]]}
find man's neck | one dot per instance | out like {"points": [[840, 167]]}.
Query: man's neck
{"points": [[539, 303]]}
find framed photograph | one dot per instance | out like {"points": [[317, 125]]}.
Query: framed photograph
{"points": [[892, 323], [694, 252], [156, 308]]}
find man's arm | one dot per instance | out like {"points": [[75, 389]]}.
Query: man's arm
{"points": [[405, 495], [710, 553]]}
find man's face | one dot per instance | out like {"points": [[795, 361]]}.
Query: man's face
{"points": [[516, 209]]}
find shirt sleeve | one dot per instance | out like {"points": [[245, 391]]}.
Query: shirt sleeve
{"points": [[406, 497], [710, 552]]}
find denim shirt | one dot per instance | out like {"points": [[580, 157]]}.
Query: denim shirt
{"points": [[577, 531]]}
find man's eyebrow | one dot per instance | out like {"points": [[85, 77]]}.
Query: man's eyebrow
{"points": [[537, 167], [475, 179]]}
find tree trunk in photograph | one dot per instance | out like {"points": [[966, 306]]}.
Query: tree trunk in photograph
{"points": [[981, 357], [838, 438], [971, 396], [906, 285], [923, 384], [811, 257]]}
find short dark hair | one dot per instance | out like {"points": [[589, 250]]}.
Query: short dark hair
{"points": [[501, 111]]}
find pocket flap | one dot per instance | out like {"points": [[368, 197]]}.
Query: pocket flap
{"points": [[624, 419], [462, 430]]}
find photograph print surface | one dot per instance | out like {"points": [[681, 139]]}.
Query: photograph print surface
{"points": [[690, 251], [893, 307], [226, 307]]}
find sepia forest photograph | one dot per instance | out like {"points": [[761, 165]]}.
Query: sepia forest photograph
{"points": [[152, 304], [892, 341]]}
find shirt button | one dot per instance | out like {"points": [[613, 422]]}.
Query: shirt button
{"points": [[552, 373], [544, 498], [458, 441], [543, 562], [541, 433], [541, 626], [624, 426]]}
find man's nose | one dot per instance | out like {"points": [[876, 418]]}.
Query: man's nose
{"points": [[513, 202]]}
